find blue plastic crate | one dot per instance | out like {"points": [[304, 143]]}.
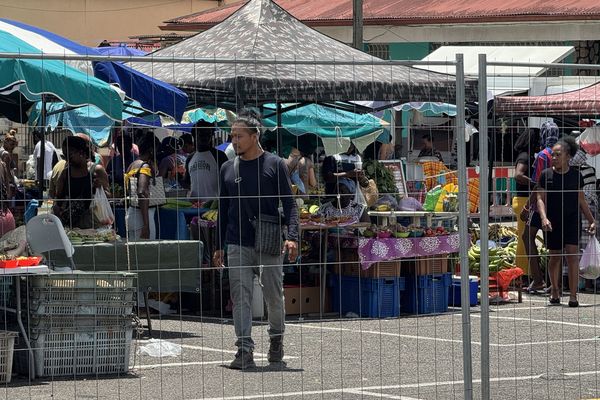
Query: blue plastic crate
{"points": [[426, 294], [367, 297], [454, 294]]}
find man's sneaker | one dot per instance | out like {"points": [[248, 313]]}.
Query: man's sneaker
{"points": [[243, 360], [275, 351]]}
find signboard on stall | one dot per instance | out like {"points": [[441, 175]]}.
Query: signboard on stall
{"points": [[397, 169]]}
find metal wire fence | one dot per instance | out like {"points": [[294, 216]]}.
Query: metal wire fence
{"points": [[379, 302]]}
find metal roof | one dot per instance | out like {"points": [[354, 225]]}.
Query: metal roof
{"points": [[399, 12]]}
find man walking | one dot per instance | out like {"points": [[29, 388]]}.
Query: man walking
{"points": [[251, 187]]}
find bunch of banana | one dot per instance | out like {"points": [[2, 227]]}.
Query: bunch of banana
{"points": [[510, 251], [383, 207], [210, 215], [499, 258], [544, 254], [498, 232]]}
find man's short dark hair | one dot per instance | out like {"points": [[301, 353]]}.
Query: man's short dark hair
{"points": [[203, 128]]}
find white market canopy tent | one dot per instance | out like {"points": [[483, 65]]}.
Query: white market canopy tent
{"points": [[501, 79]]}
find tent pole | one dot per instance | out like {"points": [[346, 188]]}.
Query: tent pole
{"points": [[41, 160], [279, 131]]}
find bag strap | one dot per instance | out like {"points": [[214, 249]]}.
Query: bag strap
{"points": [[238, 180], [295, 165], [151, 170]]}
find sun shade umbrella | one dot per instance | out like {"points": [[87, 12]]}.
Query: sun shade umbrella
{"points": [[324, 122], [153, 95], [336, 128], [24, 81]]}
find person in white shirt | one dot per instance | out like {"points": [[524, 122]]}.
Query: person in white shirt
{"points": [[203, 166], [50, 155]]}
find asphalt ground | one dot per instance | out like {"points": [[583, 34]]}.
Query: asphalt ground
{"points": [[536, 352]]}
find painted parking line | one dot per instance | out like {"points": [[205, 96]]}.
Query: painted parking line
{"points": [[380, 395], [354, 390], [179, 364], [542, 321], [428, 338], [216, 350]]}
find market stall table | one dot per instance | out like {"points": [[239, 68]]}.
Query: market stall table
{"points": [[415, 215], [161, 265], [16, 273], [173, 222], [372, 250], [324, 233]]}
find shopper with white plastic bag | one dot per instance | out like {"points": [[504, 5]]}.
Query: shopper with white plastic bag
{"points": [[589, 265], [102, 210], [559, 199]]}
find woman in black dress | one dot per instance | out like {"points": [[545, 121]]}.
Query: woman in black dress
{"points": [[559, 198]]}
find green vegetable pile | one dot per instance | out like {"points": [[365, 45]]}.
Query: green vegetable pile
{"points": [[382, 176]]}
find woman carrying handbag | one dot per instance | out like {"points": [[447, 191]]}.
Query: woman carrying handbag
{"points": [[144, 191]]}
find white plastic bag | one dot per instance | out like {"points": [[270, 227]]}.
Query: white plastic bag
{"points": [[160, 348], [589, 140], [101, 207], [359, 197], [589, 265]]}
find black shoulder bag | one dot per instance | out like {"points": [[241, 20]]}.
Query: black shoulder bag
{"points": [[267, 228]]}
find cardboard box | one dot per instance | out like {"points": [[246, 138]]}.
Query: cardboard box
{"points": [[437, 264], [383, 269], [304, 300]]}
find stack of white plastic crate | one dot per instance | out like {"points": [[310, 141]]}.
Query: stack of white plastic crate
{"points": [[81, 323]]}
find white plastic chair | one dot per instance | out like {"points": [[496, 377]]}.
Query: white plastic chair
{"points": [[45, 232]]}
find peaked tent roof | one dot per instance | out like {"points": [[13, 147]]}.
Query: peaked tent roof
{"points": [[261, 30], [585, 101]]}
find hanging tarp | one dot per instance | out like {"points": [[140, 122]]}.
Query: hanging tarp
{"points": [[324, 122], [263, 31], [153, 95], [23, 81], [87, 119], [585, 101], [218, 116]]}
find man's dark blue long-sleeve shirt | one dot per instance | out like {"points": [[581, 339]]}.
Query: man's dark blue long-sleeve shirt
{"points": [[265, 182]]}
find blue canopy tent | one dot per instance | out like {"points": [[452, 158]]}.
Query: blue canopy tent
{"points": [[153, 95], [120, 51]]}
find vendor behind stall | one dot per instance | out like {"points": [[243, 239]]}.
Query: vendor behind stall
{"points": [[427, 149], [343, 168], [170, 167]]}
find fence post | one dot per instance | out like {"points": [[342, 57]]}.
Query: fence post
{"points": [[463, 228], [483, 226]]}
